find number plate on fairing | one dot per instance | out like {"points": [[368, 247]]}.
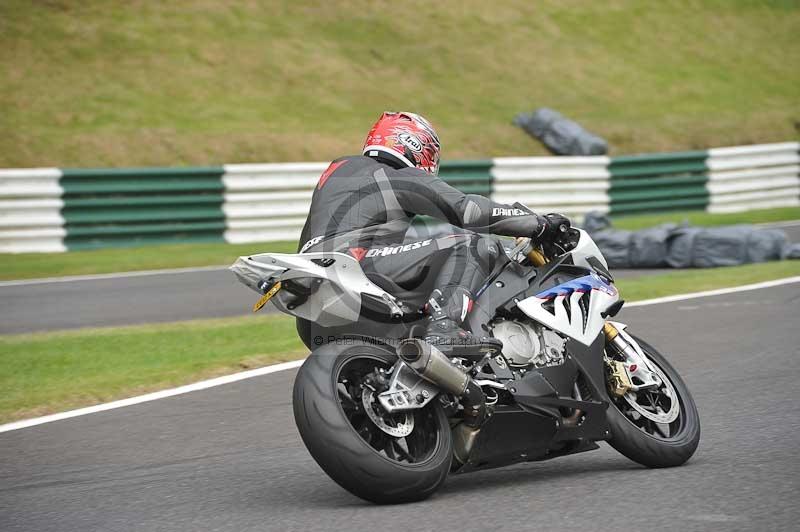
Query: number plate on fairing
{"points": [[266, 297]]}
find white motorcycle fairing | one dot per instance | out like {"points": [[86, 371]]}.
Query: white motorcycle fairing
{"points": [[560, 307], [564, 308], [335, 301]]}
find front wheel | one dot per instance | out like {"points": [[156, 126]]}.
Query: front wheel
{"points": [[658, 427], [383, 458]]}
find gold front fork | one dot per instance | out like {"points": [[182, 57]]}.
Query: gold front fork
{"points": [[536, 257], [619, 383], [610, 331]]}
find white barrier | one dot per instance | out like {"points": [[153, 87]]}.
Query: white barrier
{"points": [[265, 202], [570, 185], [742, 178], [30, 211]]}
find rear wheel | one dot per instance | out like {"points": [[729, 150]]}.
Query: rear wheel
{"points": [[380, 457], [658, 427]]}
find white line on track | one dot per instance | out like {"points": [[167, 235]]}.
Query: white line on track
{"points": [[202, 385], [778, 225], [100, 276], [227, 379], [718, 292]]}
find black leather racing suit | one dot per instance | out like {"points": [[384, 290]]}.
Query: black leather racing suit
{"points": [[364, 207]]}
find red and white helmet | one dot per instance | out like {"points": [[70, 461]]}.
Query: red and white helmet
{"points": [[406, 138]]}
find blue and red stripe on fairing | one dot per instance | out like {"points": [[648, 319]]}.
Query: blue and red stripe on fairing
{"points": [[586, 283]]}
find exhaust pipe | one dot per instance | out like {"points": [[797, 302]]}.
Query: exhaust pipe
{"points": [[432, 365]]}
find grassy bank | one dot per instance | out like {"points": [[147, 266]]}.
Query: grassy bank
{"points": [[49, 372], [99, 83]]}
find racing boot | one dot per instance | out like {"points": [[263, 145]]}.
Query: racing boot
{"points": [[444, 331]]}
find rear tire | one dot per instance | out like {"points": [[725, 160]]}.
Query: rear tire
{"points": [[651, 444], [353, 458]]}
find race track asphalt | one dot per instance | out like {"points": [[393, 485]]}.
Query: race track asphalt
{"points": [[163, 297], [107, 302], [230, 458]]}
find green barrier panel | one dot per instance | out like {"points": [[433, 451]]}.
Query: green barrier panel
{"points": [[148, 229], [470, 177], [680, 204], [656, 193], [145, 213], [658, 182], [112, 201], [123, 241], [134, 206]]}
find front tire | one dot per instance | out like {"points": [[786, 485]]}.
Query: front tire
{"points": [[646, 441], [329, 410]]}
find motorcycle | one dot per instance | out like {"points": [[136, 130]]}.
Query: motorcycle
{"points": [[389, 417]]}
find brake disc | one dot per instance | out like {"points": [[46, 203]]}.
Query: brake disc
{"points": [[659, 416], [399, 424]]}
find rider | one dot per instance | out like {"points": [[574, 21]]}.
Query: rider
{"points": [[364, 204]]}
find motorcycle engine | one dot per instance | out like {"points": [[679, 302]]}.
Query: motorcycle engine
{"points": [[528, 343]]}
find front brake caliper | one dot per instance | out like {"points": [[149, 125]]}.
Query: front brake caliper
{"points": [[618, 381]]}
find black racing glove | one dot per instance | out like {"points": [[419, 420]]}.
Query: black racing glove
{"points": [[558, 233], [553, 226]]}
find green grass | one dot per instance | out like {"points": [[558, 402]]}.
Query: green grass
{"points": [[680, 282], [112, 83], [706, 219], [35, 265], [47, 372]]}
